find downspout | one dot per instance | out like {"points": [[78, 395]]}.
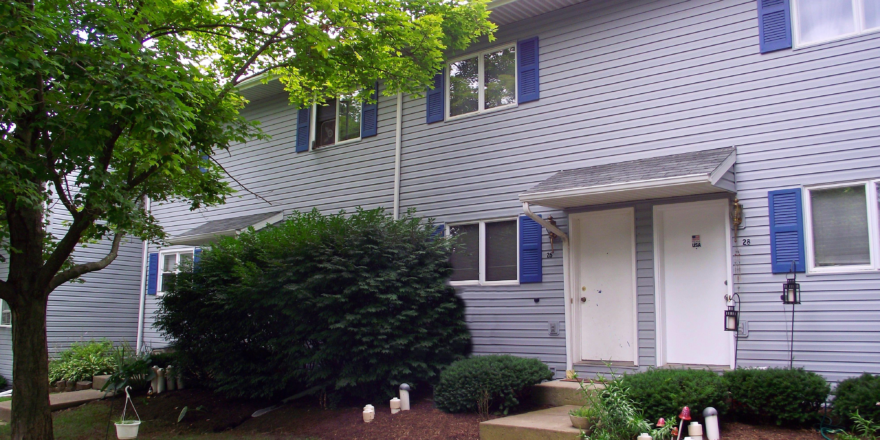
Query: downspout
{"points": [[566, 287], [144, 257], [398, 139]]}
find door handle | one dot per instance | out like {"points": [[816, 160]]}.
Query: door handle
{"points": [[583, 299]]}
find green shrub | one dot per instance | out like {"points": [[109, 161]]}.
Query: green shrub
{"points": [[493, 382], [662, 393], [3, 383], [347, 305], [858, 394], [780, 396], [129, 369], [82, 361]]}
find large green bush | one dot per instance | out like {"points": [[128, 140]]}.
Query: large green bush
{"points": [[858, 394], [82, 361], [496, 381], [775, 395], [342, 304], [663, 392]]}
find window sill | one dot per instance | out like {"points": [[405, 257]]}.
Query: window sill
{"points": [[484, 283], [345, 142], [835, 39], [6, 326], [840, 270], [481, 112]]}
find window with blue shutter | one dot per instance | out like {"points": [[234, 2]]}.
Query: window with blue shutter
{"points": [[439, 231], [197, 255], [435, 98], [786, 230], [303, 121], [370, 115], [527, 70], [530, 261], [153, 274], [204, 169], [774, 25]]}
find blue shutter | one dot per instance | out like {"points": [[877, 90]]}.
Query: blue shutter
{"points": [[370, 115], [529, 86], [303, 120], [530, 262], [439, 231], [786, 230], [197, 255], [774, 25], [435, 100], [205, 158], [153, 274]]}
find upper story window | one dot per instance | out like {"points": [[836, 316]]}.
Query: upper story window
{"points": [[482, 81], [169, 266], [5, 314], [842, 225], [817, 21], [486, 252], [337, 121]]}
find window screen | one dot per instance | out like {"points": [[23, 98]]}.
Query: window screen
{"points": [[840, 226], [499, 81], [820, 20], [466, 252], [464, 86], [349, 118], [326, 124], [501, 252]]}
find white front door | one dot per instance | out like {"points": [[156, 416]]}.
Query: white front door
{"points": [[693, 269], [605, 288]]}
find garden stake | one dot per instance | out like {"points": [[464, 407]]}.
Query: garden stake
{"points": [[685, 415]]}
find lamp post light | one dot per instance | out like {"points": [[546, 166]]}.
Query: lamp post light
{"points": [[791, 294], [731, 322]]}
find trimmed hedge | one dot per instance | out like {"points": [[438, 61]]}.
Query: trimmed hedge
{"points": [[780, 396], [663, 392], [344, 305], [505, 378], [858, 393]]}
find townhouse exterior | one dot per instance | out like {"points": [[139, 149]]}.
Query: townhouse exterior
{"points": [[619, 169]]}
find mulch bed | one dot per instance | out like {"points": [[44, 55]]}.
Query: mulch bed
{"points": [[208, 412]]}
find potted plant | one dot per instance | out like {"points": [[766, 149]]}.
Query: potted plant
{"points": [[127, 429], [584, 418]]}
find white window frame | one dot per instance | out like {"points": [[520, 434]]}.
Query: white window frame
{"points": [[313, 130], [481, 93], [5, 306], [859, 19], [482, 264], [161, 271], [873, 217]]}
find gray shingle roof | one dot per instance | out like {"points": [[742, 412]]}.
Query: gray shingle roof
{"points": [[660, 167], [229, 224]]}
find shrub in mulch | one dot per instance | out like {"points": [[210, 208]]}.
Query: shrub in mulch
{"points": [[485, 383], [858, 394], [775, 395], [344, 305], [663, 392]]}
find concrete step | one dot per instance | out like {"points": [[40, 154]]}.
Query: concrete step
{"points": [[57, 401], [99, 381], [559, 392], [546, 424]]}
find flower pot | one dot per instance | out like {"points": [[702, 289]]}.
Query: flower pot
{"points": [[127, 430], [583, 423]]}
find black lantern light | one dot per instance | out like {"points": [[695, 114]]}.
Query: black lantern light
{"points": [[731, 315], [791, 290]]}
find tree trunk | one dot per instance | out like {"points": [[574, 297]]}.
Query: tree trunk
{"points": [[31, 416]]}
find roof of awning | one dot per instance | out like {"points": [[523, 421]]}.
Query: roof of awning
{"points": [[209, 231], [698, 172]]}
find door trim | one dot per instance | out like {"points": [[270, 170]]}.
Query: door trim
{"points": [[659, 294], [575, 237]]}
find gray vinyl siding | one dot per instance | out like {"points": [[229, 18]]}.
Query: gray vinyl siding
{"points": [[103, 305], [620, 80], [623, 80], [331, 178]]}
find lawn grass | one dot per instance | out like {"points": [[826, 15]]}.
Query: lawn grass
{"points": [[89, 422]]}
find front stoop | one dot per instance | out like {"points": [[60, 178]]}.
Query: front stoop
{"points": [[57, 401], [558, 393], [546, 424]]}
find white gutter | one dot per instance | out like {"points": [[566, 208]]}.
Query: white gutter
{"points": [[398, 139], [143, 298], [566, 284]]}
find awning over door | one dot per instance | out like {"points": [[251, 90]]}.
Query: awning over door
{"points": [[209, 231], [698, 172]]}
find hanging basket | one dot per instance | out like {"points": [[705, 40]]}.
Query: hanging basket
{"points": [[128, 429]]}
